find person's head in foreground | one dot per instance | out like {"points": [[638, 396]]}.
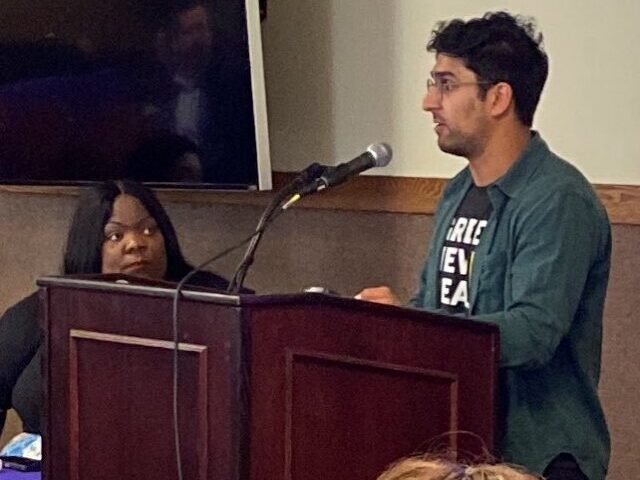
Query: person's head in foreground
{"points": [[428, 467]]}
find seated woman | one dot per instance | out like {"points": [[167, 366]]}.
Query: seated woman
{"points": [[118, 227]]}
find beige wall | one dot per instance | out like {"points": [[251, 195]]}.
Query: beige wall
{"points": [[344, 251], [344, 74]]}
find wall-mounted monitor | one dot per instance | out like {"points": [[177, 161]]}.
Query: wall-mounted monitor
{"points": [[169, 92]]}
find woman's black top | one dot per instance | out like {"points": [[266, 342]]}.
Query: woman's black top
{"points": [[20, 338]]}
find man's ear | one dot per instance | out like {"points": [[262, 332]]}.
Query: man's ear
{"points": [[500, 98]]}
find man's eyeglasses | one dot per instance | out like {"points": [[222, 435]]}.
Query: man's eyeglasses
{"points": [[446, 85]]}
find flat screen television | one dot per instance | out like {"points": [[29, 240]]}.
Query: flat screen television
{"points": [[169, 92]]}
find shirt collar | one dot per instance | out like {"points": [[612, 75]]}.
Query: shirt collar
{"points": [[514, 180], [518, 175]]}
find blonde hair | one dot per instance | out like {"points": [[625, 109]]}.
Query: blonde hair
{"points": [[501, 471], [426, 467], [423, 468]]}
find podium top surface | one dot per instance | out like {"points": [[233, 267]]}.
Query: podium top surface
{"points": [[119, 283], [137, 285]]}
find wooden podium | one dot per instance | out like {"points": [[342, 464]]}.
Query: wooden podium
{"points": [[287, 387]]}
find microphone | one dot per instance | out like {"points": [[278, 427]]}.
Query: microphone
{"points": [[377, 155], [313, 178]]}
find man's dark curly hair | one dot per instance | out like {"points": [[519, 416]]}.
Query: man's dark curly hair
{"points": [[498, 47]]}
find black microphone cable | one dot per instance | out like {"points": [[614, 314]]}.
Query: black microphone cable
{"points": [[309, 181], [175, 317]]}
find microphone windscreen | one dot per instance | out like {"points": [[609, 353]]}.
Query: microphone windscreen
{"points": [[381, 153]]}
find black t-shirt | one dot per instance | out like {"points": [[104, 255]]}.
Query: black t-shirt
{"points": [[456, 256]]}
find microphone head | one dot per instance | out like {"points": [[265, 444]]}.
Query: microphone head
{"points": [[381, 153]]}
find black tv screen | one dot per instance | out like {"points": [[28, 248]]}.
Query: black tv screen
{"points": [[166, 92]]}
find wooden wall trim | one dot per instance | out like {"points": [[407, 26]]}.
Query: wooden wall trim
{"points": [[365, 193], [622, 202]]}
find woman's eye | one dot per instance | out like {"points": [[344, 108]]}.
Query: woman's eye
{"points": [[447, 85], [114, 237], [148, 231]]}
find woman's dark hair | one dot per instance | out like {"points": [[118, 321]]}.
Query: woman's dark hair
{"points": [[498, 47], [83, 252]]}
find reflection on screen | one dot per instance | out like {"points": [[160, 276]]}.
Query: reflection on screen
{"points": [[122, 88]]}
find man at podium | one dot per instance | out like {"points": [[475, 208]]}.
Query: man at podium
{"points": [[520, 240]]}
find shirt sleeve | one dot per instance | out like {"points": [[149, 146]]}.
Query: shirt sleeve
{"points": [[557, 242]]}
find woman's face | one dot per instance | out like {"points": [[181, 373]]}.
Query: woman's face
{"points": [[133, 243]]}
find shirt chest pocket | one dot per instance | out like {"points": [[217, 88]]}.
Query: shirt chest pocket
{"points": [[493, 283]]}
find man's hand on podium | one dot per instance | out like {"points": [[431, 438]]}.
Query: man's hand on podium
{"points": [[379, 295]]}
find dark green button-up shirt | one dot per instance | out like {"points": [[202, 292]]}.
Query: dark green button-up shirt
{"points": [[540, 273]]}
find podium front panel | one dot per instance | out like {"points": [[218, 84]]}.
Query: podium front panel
{"points": [[108, 410], [342, 390]]}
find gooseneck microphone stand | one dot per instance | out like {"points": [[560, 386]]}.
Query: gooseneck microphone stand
{"points": [[308, 175]]}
